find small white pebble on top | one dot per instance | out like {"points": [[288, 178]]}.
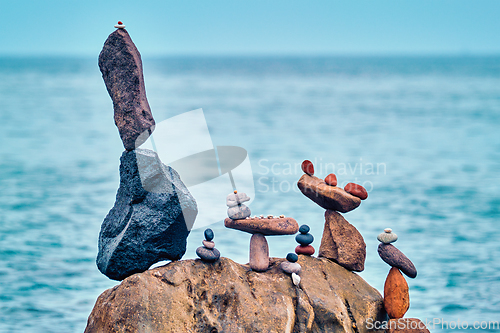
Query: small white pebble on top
{"points": [[388, 230]]}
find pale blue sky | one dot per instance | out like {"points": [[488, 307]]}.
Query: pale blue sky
{"points": [[273, 27]]}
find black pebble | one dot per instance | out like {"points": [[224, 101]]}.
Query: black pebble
{"points": [[304, 239], [209, 234], [304, 229], [292, 257]]}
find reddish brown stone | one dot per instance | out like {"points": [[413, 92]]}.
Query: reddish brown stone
{"points": [[396, 294], [342, 243], [259, 253], [406, 325], [326, 196], [356, 190], [121, 67], [265, 226], [331, 179], [308, 167], [308, 250]]}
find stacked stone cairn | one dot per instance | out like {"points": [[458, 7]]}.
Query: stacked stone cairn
{"points": [[396, 291], [236, 209], [304, 239], [292, 267], [341, 241], [208, 252], [154, 211], [259, 227]]}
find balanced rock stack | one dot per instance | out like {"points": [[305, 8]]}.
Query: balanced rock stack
{"points": [[292, 267], [236, 209], [260, 227], [153, 207], [304, 239], [341, 241], [208, 252], [396, 291]]}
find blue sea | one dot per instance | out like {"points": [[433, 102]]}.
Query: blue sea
{"points": [[422, 134]]}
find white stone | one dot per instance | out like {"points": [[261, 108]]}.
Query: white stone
{"points": [[388, 230], [120, 26], [295, 279]]}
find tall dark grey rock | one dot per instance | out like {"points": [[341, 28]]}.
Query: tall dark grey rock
{"points": [[150, 220], [121, 67]]}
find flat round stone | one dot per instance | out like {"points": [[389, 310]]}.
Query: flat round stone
{"points": [[290, 267], [292, 257], [208, 255], [209, 234], [304, 239], [307, 250], [238, 212], [208, 244], [395, 258], [387, 237], [304, 229]]}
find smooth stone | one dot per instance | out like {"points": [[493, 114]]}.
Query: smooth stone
{"points": [[331, 179], [307, 250], [356, 190], [396, 294], [269, 227], [304, 239], [342, 243], [153, 209], [208, 255], [290, 267], [406, 325], [238, 212], [120, 26], [308, 167], [259, 253], [304, 229], [388, 230], [387, 237], [235, 199], [209, 234], [208, 244], [295, 279], [326, 196], [395, 258], [121, 67], [292, 257]]}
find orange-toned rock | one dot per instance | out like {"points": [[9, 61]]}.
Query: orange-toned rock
{"points": [[406, 325], [268, 227], [356, 190], [331, 179], [308, 167], [396, 295]]}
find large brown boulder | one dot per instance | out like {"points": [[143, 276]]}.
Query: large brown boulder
{"points": [[193, 296]]}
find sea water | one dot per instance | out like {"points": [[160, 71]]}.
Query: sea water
{"points": [[420, 133]]}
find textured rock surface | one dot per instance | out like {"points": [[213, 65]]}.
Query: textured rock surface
{"points": [[406, 325], [265, 226], [396, 294], [328, 197], [121, 68], [191, 296], [395, 258], [342, 243], [150, 220]]}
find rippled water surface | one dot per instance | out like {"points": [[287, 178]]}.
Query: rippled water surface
{"points": [[420, 133]]}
